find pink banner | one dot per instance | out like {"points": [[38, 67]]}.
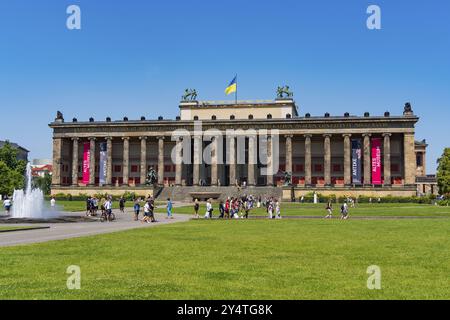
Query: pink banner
{"points": [[86, 162], [376, 161]]}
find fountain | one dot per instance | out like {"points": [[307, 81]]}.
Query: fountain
{"points": [[29, 204]]}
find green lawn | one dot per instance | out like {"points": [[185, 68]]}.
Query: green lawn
{"points": [[297, 209], [14, 228], [244, 259]]}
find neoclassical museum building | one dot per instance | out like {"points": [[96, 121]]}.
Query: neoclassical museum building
{"points": [[345, 155]]}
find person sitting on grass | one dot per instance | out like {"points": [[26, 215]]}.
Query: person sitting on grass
{"points": [[329, 209]]}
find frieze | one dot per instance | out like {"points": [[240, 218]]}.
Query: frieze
{"points": [[62, 129]]}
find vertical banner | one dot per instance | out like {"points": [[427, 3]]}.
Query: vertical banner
{"points": [[356, 161], [376, 161], [102, 169], [86, 162]]}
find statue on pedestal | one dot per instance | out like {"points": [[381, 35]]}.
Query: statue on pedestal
{"points": [[151, 177], [287, 178], [282, 91], [189, 95]]}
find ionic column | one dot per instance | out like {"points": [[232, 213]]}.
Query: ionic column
{"points": [[308, 169], [57, 153], [367, 159], [387, 159], [75, 162], [143, 159], [347, 160], [214, 161], [198, 141], [126, 159], [269, 161], [327, 158], [232, 160], [409, 159], [178, 161], [252, 159], [289, 153], [109, 161], [92, 161], [160, 160]]}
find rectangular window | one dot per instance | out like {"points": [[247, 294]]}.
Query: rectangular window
{"points": [[117, 168], [336, 168], [395, 167], [134, 168], [299, 168], [318, 168]]}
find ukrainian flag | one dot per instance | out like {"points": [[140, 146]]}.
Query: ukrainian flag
{"points": [[232, 87]]}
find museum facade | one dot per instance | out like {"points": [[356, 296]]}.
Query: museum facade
{"points": [[265, 146]]}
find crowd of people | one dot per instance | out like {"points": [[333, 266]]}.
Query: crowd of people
{"points": [[240, 207]]}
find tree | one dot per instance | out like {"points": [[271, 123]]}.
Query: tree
{"points": [[12, 171], [44, 183], [443, 172]]}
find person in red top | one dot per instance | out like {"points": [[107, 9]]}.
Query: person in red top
{"points": [[227, 208]]}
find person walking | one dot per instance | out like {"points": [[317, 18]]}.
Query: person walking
{"points": [[196, 208], [52, 203], [221, 209], [137, 208], [122, 204], [146, 218], [344, 211], [270, 209], [277, 209], [169, 209], [108, 209], [209, 209], [7, 205], [329, 209]]}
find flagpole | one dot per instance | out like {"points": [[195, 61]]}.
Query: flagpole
{"points": [[235, 93]]}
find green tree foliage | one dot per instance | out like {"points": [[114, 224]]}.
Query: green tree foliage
{"points": [[443, 172], [44, 183], [11, 170]]}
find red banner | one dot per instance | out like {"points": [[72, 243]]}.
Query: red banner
{"points": [[376, 161], [86, 162]]}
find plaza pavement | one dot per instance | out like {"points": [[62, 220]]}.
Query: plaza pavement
{"points": [[59, 231]]}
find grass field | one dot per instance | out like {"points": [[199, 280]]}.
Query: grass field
{"points": [[251, 259], [13, 228], [297, 209]]}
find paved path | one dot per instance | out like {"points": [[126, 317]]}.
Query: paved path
{"points": [[58, 231]]}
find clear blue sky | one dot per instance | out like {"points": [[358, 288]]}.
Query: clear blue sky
{"points": [[136, 57]]}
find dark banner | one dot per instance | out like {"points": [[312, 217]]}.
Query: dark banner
{"points": [[356, 161]]}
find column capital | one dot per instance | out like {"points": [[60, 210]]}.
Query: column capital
{"points": [[92, 138], [307, 135], [108, 138], [75, 139], [345, 135], [387, 134], [160, 137], [327, 135], [125, 138], [143, 138], [366, 135], [287, 136]]}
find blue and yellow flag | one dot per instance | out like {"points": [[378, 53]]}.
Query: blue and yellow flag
{"points": [[232, 87]]}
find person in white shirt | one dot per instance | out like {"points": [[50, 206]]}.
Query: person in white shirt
{"points": [[209, 209], [53, 203], [7, 205]]}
